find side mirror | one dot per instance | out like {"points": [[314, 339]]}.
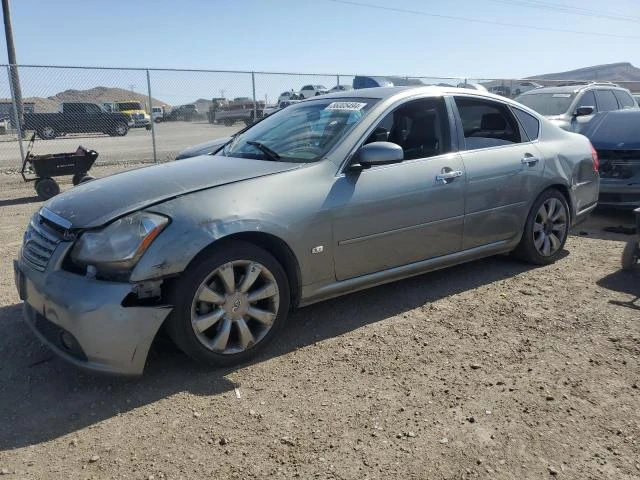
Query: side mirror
{"points": [[378, 153], [584, 111]]}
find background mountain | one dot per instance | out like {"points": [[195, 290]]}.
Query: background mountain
{"points": [[614, 72], [97, 95]]}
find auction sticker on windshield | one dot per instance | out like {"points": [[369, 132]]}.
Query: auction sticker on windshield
{"points": [[561, 95], [349, 106]]}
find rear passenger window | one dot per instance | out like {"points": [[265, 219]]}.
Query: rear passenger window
{"points": [[606, 101], [624, 99], [487, 123], [529, 123]]}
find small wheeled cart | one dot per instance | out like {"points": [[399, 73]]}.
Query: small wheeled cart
{"points": [[631, 252], [41, 168]]}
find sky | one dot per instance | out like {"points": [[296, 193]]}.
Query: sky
{"points": [[455, 38]]}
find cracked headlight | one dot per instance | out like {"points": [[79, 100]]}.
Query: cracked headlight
{"points": [[117, 248]]}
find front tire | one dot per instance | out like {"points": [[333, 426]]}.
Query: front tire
{"points": [[229, 305], [546, 229]]}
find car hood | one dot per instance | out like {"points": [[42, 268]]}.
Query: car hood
{"points": [[202, 148], [92, 204]]}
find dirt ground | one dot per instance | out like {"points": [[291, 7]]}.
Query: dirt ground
{"points": [[492, 369]]}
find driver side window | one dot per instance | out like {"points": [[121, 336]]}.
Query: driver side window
{"points": [[419, 127]]}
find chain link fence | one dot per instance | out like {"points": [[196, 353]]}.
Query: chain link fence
{"points": [[149, 115]]}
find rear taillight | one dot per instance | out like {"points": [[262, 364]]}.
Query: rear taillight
{"points": [[595, 159]]}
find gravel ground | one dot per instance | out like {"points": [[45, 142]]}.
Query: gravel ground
{"points": [[492, 369]]}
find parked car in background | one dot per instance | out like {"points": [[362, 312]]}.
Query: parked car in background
{"points": [[616, 137], [500, 90], [186, 113], [309, 91], [286, 96], [285, 103], [473, 86], [212, 248], [364, 81], [239, 109], [157, 114], [636, 96], [77, 117], [523, 86], [570, 106], [205, 148], [341, 88], [134, 109]]}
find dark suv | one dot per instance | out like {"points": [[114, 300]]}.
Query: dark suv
{"points": [[568, 106]]}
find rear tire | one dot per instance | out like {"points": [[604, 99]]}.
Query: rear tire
{"points": [[242, 326], [546, 229], [47, 188], [120, 129], [630, 255]]}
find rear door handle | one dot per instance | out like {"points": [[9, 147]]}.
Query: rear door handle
{"points": [[529, 159], [443, 177]]}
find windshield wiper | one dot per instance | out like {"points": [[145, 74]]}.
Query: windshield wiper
{"points": [[270, 154]]}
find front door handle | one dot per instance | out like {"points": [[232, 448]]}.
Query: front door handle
{"points": [[450, 175], [529, 159]]}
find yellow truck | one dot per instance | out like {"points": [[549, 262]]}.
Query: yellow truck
{"points": [[135, 110]]}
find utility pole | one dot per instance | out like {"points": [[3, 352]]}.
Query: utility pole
{"points": [[13, 67]]}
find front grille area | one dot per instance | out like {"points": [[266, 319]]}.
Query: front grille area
{"points": [[39, 244]]}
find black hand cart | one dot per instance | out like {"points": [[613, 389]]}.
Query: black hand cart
{"points": [[41, 168]]}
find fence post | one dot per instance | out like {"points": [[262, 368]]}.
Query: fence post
{"points": [[253, 86], [338, 79], [153, 123], [16, 118]]}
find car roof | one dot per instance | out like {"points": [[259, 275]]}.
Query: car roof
{"points": [[572, 88], [383, 93]]}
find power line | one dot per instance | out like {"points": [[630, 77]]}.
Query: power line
{"points": [[556, 7], [486, 22]]}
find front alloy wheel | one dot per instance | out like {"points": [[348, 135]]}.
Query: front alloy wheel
{"points": [[229, 303], [234, 307]]}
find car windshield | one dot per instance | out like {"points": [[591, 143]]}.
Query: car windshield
{"points": [[124, 106], [547, 103], [303, 132]]}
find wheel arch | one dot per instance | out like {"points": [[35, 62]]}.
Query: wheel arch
{"points": [[566, 193], [272, 244]]}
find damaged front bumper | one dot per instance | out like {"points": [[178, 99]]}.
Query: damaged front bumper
{"points": [[83, 319]]}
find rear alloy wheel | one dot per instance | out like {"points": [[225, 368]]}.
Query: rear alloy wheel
{"points": [[630, 255], [229, 305], [47, 133], [47, 188], [546, 229]]}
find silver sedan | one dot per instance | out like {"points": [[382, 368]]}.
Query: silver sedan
{"points": [[331, 195]]}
